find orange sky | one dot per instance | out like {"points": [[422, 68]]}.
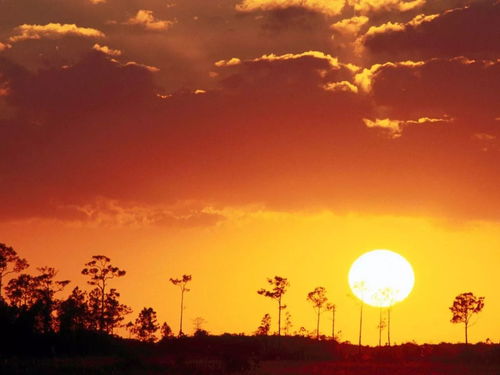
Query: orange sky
{"points": [[239, 139], [230, 261]]}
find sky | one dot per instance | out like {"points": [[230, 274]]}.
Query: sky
{"points": [[236, 140]]}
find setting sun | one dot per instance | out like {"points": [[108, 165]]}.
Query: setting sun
{"points": [[381, 278]]}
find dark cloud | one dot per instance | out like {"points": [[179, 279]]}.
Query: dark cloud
{"points": [[456, 87], [471, 31], [271, 134], [293, 18], [92, 134]]}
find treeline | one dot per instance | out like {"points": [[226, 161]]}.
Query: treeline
{"points": [[30, 307]]}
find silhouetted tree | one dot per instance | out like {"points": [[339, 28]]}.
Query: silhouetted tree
{"points": [[361, 288], [182, 284], [22, 291], [331, 307], [386, 297], [115, 311], [166, 331], [10, 262], [47, 303], [200, 332], [73, 312], [113, 314], [265, 326], [34, 296], [279, 286], [381, 325], [146, 325], [318, 299], [288, 323], [464, 306], [100, 271], [198, 323], [301, 332]]}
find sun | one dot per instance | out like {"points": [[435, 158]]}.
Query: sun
{"points": [[381, 278]]}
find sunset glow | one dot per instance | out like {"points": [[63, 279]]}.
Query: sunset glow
{"points": [[233, 141]]}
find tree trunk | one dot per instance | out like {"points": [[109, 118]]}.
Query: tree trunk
{"points": [[101, 320], [1, 287], [466, 338], [333, 323], [279, 316], [317, 324], [360, 327], [380, 328], [182, 310], [389, 326]]}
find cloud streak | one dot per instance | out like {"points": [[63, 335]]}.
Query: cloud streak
{"points": [[329, 7], [53, 31], [372, 6], [395, 128], [147, 20]]}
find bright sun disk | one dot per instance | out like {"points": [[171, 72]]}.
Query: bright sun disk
{"points": [[381, 278]]}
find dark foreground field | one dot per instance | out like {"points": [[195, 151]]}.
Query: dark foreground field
{"points": [[95, 366], [230, 354]]}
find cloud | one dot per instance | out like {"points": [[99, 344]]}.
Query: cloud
{"points": [[269, 134], [333, 62], [469, 31], [97, 1], [230, 62], [53, 31], [350, 25], [341, 86], [146, 19], [372, 6], [328, 7], [395, 127], [109, 212], [390, 27], [4, 46], [364, 79], [458, 87], [310, 70], [396, 26], [63, 92], [152, 69], [106, 50]]}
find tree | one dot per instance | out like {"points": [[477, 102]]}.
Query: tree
{"points": [[331, 307], [35, 295], [10, 262], [265, 326], [361, 288], [279, 286], [199, 322], [100, 271], [386, 297], [381, 325], [113, 314], [464, 306], [146, 325], [288, 323], [166, 331], [47, 287], [73, 312], [318, 299], [182, 284], [22, 291]]}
